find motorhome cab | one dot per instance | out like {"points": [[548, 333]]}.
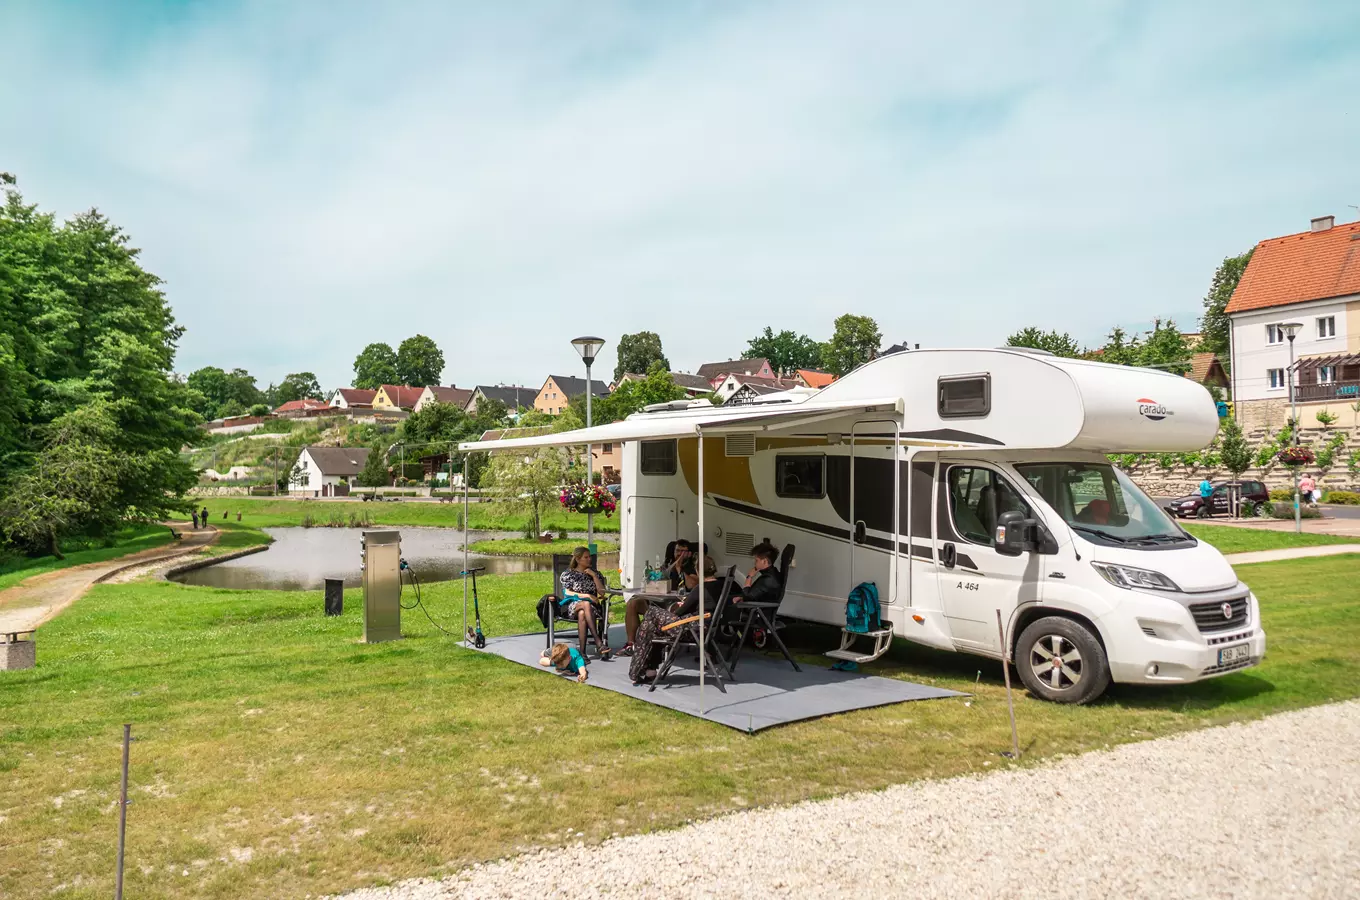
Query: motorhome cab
{"points": [[965, 484]]}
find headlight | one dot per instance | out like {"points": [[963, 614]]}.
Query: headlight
{"points": [[1131, 578], [1188, 504]]}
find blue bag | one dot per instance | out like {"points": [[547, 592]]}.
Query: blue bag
{"points": [[862, 610]]}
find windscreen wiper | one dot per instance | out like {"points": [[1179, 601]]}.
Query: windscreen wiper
{"points": [[1099, 532]]}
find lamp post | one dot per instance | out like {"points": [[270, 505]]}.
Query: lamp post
{"points": [[589, 348], [1291, 329]]}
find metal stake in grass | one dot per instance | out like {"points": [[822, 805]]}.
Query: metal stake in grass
{"points": [[1010, 702], [122, 812]]}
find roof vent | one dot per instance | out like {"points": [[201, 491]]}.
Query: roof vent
{"points": [[1323, 223], [673, 405]]}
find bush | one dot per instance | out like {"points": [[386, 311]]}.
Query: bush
{"points": [[1344, 498], [1284, 493], [1286, 511], [1325, 418]]}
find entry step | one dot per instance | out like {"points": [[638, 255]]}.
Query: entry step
{"points": [[882, 638]]}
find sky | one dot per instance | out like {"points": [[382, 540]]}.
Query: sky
{"points": [[503, 177]]}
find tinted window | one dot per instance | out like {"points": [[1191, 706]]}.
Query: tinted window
{"points": [[965, 396], [800, 476], [977, 496], [657, 457]]}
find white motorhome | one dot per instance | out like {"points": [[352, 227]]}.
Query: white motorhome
{"points": [[962, 483]]}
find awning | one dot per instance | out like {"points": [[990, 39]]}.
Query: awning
{"points": [[687, 423], [1343, 359]]}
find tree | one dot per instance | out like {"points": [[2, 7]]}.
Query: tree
{"points": [[1214, 326], [1055, 342], [211, 384], [1233, 450], [638, 353], [1120, 349], [419, 362], [374, 472], [298, 386], [527, 483], [629, 397], [787, 351], [259, 409], [1165, 349], [375, 366], [854, 342]]}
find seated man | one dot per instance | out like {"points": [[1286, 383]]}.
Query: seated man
{"points": [[675, 571], [647, 653], [762, 582]]}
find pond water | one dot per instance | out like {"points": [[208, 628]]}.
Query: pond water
{"points": [[303, 558]]}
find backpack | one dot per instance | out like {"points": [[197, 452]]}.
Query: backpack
{"points": [[862, 610], [545, 610]]}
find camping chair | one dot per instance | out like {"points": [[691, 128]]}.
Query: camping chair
{"points": [[765, 616], [686, 632], [550, 605]]}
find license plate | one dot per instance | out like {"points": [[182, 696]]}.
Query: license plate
{"points": [[1229, 655]]}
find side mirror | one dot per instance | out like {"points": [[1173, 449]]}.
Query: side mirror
{"points": [[1015, 534]]}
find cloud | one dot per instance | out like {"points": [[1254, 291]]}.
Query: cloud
{"points": [[311, 178]]}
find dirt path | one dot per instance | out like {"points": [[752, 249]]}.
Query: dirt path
{"points": [[35, 600]]}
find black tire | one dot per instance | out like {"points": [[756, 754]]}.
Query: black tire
{"points": [[1083, 671], [1202, 512]]}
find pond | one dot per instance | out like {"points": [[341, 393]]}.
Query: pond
{"points": [[302, 559]]}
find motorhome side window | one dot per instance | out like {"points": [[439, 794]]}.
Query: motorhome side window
{"points": [[657, 457], [965, 396], [977, 497], [800, 476]]}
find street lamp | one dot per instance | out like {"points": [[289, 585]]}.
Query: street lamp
{"points": [[589, 348], [1291, 329]]}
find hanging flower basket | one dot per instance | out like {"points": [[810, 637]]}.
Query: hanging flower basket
{"points": [[592, 499], [1296, 456]]}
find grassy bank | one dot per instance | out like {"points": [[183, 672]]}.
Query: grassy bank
{"points": [[266, 511], [276, 756], [126, 540], [1232, 539], [514, 547]]}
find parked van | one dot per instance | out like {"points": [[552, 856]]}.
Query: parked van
{"points": [[973, 487]]}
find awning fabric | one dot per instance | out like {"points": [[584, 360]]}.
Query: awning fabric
{"points": [[687, 423]]}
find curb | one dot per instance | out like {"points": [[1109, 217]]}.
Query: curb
{"points": [[164, 574], [146, 562]]}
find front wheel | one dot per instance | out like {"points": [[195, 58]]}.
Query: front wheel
{"points": [[1062, 661]]}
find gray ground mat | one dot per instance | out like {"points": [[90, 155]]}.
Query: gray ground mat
{"points": [[768, 691]]}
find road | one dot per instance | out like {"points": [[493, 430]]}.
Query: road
{"points": [[1336, 512]]}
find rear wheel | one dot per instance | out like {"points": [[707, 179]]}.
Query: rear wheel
{"points": [[1062, 661]]}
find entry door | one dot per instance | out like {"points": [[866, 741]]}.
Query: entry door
{"points": [[648, 524], [872, 537], [974, 580]]}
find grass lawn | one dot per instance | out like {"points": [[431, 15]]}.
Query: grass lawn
{"points": [[126, 540], [1232, 539], [266, 512], [517, 547], [278, 757]]}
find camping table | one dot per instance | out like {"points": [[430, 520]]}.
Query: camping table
{"points": [[750, 612], [656, 598]]}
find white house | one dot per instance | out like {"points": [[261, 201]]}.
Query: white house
{"points": [[455, 396], [1312, 280], [321, 471], [352, 398], [735, 381]]}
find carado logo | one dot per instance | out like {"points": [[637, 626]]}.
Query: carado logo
{"points": [[1151, 409]]}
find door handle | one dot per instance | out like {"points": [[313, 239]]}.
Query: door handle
{"points": [[860, 531], [948, 555]]}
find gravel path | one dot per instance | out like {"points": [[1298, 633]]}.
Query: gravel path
{"points": [[1268, 809]]}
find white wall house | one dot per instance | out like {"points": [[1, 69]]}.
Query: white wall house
{"points": [[1312, 279], [320, 471], [352, 398]]}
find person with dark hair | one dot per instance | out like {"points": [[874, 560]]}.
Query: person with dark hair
{"points": [[675, 572], [636, 607], [195, 514], [204, 516], [582, 587], [646, 655], [762, 582]]}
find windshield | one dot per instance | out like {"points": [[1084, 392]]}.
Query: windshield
{"points": [[1101, 503]]}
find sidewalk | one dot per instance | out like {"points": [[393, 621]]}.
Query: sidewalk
{"points": [[36, 600], [1340, 527], [1256, 556]]}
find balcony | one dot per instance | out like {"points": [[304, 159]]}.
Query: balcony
{"points": [[1347, 391], [1342, 372]]}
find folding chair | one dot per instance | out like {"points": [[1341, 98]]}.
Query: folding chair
{"points": [[765, 616], [685, 632], [550, 605]]}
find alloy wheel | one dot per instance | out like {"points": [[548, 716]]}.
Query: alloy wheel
{"points": [[1056, 662]]}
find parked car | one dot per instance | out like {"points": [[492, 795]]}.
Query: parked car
{"points": [[615, 489], [1254, 496]]}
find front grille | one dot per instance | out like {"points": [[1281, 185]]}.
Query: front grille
{"points": [[1209, 617], [1228, 639], [1231, 667]]}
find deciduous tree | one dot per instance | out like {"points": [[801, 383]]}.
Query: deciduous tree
{"points": [[854, 342], [297, 386], [527, 481], [1215, 328], [419, 362], [638, 353], [1055, 342], [375, 366], [787, 351]]}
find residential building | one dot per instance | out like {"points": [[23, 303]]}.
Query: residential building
{"points": [[397, 396], [295, 409], [1313, 279], [692, 385], [608, 458], [454, 396], [726, 388], [749, 393], [812, 378], [1207, 369], [514, 397], [559, 390], [715, 372], [326, 471], [352, 398]]}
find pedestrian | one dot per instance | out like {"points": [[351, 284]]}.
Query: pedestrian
{"points": [[238, 515], [195, 515], [1206, 490], [224, 515], [204, 516], [1308, 491]]}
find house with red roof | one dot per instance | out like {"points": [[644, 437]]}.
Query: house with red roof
{"points": [[1299, 300], [299, 408], [813, 379], [352, 398]]}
